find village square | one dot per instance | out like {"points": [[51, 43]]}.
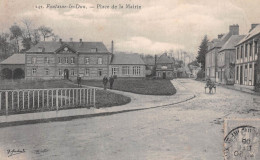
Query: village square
{"points": [[69, 95]]}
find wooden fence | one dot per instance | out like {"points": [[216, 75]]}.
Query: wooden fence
{"points": [[32, 100]]}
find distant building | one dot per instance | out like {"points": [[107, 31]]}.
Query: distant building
{"points": [[67, 60], [226, 58], [127, 65], [13, 67], [165, 68], [247, 52], [211, 69], [149, 65]]}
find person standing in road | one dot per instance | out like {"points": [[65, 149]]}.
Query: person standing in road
{"points": [[105, 80], [111, 81]]}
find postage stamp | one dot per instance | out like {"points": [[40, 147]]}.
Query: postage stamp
{"points": [[241, 139]]}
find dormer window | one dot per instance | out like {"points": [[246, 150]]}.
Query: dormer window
{"points": [[93, 50]]}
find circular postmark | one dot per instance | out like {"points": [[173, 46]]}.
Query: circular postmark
{"points": [[242, 143]]}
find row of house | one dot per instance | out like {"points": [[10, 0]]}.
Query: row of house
{"points": [[90, 60], [231, 58]]}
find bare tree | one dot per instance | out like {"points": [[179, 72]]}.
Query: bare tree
{"points": [[16, 33], [45, 32]]}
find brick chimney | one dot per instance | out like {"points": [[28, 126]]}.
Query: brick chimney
{"points": [[234, 29], [112, 47], [253, 26], [80, 40], [71, 39]]}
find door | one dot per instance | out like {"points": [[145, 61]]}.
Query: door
{"points": [[255, 75], [164, 75], [241, 75], [66, 74]]}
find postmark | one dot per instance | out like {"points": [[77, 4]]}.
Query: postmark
{"points": [[241, 141]]}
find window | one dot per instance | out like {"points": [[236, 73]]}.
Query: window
{"points": [[87, 72], [242, 52], [59, 60], [60, 72], [66, 60], [46, 60], [46, 71], [34, 60], [72, 60], [136, 70], [72, 72], [246, 50], [86, 60], [237, 52], [250, 49], [115, 70], [93, 50], [99, 72], [237, 72], [255, 47], [34, 70], [125, 70], [99, 60]]}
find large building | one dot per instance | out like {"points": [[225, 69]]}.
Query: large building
{"points": [[226, 59], [247, 52], [211, 68], [67, 60]]}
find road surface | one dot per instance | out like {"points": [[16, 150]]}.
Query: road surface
{"points": [[192, 130]]}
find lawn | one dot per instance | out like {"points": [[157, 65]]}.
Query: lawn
{"points": [[103, 98], [139, 86]]}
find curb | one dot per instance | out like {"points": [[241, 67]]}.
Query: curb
{"points": [[69, 118]]}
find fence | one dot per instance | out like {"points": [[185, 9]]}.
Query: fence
{"points": [[31, 100]]}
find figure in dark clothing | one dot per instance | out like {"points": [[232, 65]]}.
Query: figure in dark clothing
{"points": [[105, 80], [79, 81], [111, 81]]}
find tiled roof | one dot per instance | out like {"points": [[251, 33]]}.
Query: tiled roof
{"points": [[232, 41], [83, 47], [15, 59], [164, 59], [251, 34], [128, 59]]}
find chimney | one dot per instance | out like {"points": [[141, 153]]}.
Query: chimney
{"points": [[220, 36], [253, 26], [71, 39], [112, 47], [234, 29], [60, 40], [80, 40]]}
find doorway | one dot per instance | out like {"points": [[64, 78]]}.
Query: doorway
{"points": [[241, 75], [66, 74], [164, 75]]}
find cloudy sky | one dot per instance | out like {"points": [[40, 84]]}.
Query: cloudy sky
{"points": [[156, 27]]}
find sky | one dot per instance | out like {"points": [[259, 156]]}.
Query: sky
{"points": [[156, 27]]}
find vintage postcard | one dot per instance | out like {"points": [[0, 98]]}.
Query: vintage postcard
{"points": [[129, 80]]}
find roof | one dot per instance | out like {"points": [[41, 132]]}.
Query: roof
{"points": [[15, 59], [128, 59], [83, 47], [232, 41], [149, 60], [251, 34], [163, 59]]}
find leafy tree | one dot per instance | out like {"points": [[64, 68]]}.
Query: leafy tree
{"points": [[4, 45], [45, 32], [203, 49], [16, 33]]}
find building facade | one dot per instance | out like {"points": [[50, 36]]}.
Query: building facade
{"points": [[212, 70], [67, 60], [226, 59], [165, 67], [247, 52], [127, 65]]}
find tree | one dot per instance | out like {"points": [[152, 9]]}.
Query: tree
{"points": [[4, 45], [16, 33], [203, 49], [45, 32]]}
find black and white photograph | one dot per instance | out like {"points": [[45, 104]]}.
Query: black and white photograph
{"points": [[129, 80]]}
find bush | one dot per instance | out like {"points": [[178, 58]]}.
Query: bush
{"points": [[201, 74]]}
